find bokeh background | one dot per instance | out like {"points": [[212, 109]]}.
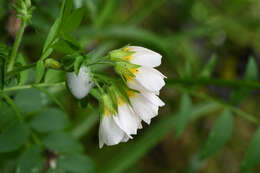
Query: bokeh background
{"points": [[184, 32]]}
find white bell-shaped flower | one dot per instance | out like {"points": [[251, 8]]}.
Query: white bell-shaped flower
{"points": [[109, 132], [146, 77], [145, 104], [80, 84], [143, 56], [127, 119]]}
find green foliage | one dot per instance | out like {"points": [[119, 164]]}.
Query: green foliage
{"points": [[75, 163], [251, 74], [41, 121], [31, 161], [73, 20], [219, 135], [252, 156], [34, 101], [184, 114], [62, 142], [37, 116], [13, 137], [40, 69]]}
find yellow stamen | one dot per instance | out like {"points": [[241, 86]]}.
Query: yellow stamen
{"points": [[133, 71], [120, 101], [126, 49], [128, 58], [107, 112], [131, 93]]}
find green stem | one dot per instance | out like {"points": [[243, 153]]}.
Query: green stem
{"points": [[219, 82], [234, 109], [16, 45], [22, 68], [33, 86]]}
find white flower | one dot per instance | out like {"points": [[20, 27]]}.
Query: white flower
{"points": [[127, 119], [80, 84], [109, 132], [143, 56], [146, 78], [145, 104]]}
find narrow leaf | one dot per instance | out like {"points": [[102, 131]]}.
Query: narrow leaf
{"points": [[52, 34], [252, 156], [40, 69], [219, 135], [209, 67], [251, 74], [77, 64], [73, 21], [184, 114]]}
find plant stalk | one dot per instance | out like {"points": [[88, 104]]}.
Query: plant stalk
{"points": [[16, 46]]}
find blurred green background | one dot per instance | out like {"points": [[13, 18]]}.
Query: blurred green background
{"points": [[187, 33]]}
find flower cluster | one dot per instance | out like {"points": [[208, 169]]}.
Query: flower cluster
{"points": [[136, 66], [125, 102]]}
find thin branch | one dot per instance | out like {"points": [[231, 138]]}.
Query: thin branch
{"points": [[21, 87], [219, 82]]}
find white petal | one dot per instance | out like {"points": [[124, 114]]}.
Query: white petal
{"points": [[127, 120], [150, 78], [153, 98], [144, 108], [81, 84], [125, 138], [145, 57], [109, 132]]}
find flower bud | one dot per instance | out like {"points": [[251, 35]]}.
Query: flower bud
{"points": [[52, 63]]}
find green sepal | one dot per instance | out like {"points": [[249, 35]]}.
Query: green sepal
{"points": [[106, 103], [77, 64], [123, 68], [118, 54]]}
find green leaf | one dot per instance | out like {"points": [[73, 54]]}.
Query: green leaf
{"points": [[209, 67], [73, 21], [40, 69], [66, 9], [62, 143], [75, 163], [14, 137], [77, 64], [7, 116], [49, 119], [252, 156], [31, 100], [63, 46], [24, 74], [219, 135], [184, 114], [31, 161], [52, 34], [251, 74]]}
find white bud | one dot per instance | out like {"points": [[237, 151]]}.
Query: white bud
{"points": [[80, 84]]}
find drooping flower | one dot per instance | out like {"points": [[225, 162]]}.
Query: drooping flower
{"points": [[80, 84], [145, 104], [142, 56], [109, 131], [136, 101]]}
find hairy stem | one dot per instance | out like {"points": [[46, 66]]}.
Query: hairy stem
{"points": [[234, 109], [16, 45], [21, 87], [219, 82]]}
